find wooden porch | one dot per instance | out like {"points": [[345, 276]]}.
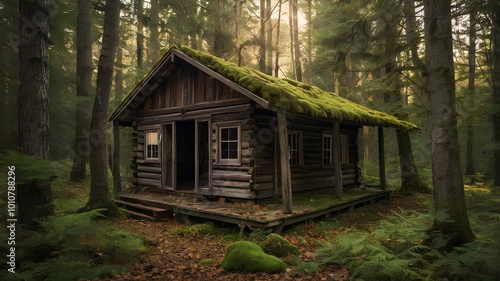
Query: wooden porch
{"points": [[261, 214]]}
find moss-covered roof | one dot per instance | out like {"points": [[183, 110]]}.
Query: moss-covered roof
{"points": [[287, 94], [297, 97]]}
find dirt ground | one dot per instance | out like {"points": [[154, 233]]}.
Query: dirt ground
{"points": [[198, 256]]}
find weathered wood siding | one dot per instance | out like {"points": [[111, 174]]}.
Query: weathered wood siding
{"points": [[187, 86], [190, 94], [311, 174], [145, 172]]}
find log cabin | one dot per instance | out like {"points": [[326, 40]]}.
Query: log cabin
{"points": [[207, 126]]}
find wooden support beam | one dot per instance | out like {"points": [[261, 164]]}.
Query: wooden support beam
{"points": [[117, 185], [285, 172], [337, 167], [381, 158]]}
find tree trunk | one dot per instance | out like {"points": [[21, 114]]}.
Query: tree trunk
{"points": [[269, 39], [410, 178], [496, 90], [83, 86], [451, 224], [262, 37], [35, 198], [99, 184], [154, 39], [309, 46], [469, 159], [297, 56], [140, 32], [278, 26], [218, 28], [237, 20]]}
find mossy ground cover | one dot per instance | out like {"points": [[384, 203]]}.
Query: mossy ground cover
{"points": [[69, 245]]}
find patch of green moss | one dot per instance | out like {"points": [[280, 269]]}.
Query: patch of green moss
{"points": [[206, 262], [245, 256], [297, 96], [278, 246]]}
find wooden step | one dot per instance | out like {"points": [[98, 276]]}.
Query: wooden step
{"points": [[155, 212], [137, 214], [140, 206]]}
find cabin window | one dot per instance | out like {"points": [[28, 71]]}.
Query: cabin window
{"points": [[229, 144], [295, 144], [152, 147], [327, 149]]}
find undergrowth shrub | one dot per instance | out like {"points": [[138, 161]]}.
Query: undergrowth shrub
{"points": [[74, 246], [393, 249]]}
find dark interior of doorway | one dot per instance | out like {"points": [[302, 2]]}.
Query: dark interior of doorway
{"points": [[185, 154]]}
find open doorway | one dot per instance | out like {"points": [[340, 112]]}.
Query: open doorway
{"points": [[185, 150]]}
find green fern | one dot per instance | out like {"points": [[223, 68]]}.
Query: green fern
{"points": [[75, 246]]}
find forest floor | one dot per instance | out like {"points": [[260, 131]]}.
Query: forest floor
{"points": [[177, 251]]}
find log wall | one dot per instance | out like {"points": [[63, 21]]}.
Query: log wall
{"points": [[311, 174], [190, 94]]}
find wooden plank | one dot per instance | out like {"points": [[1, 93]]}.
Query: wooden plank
{"points": [[117, 185], [150, 169], [232, 177], [147, 182], [381, 158], [154, 176], [232, 184], [286, 186], [337, 168]]}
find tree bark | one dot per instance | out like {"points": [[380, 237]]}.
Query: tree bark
{"points": [[218, 28], [496, 89], [154, 39], [139, 10], [269, 39], [451, 224], [469, 159], [83, 87], [99, 184], [297, 56], [278, 26], [35, 198], [410, 178], [262, 37]]}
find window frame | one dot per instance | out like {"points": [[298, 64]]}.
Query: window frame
{"points": [[323, 136], [228, 161], [299, 149], [147, 145]]}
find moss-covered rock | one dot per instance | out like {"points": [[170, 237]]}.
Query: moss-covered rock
{"points": [[278, 246], [245, 256]]}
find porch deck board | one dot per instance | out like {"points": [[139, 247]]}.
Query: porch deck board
{"points": [[267, 213]]}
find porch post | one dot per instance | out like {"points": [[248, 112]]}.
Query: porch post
{"points": [[381, 158], [117, 185], [337, 165], [285, 173]]}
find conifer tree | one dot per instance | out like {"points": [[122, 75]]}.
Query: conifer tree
{"points": [[99, 184], [83, 86], [35, 197], [451, 224]]}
